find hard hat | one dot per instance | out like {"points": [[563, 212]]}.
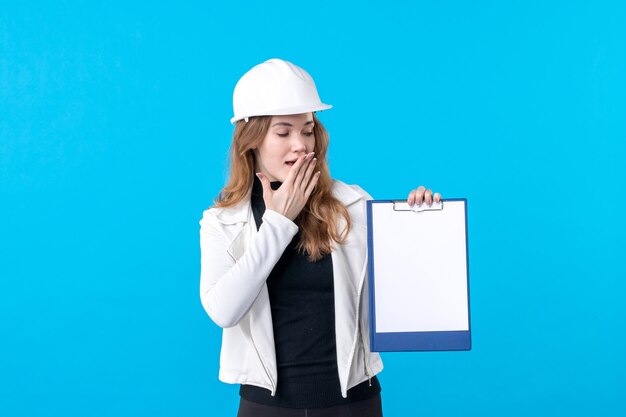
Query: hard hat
{"points": [[274, 88]]}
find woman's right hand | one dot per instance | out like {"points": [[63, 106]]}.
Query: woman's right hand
{"points": [[294, 192]]}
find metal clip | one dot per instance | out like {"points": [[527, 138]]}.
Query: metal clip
{"points": [[402, 205]]}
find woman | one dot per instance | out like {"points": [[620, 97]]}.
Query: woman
{"points": [[284, 259]]}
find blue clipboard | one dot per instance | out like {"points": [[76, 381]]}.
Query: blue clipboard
{"points": [[418, 276]]}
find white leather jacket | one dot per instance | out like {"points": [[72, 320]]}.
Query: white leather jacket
{"points": [[235, 263]]}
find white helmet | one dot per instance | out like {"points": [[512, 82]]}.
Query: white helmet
{"points": [[274, 88]]}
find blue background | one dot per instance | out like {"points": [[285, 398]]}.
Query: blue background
{"points": [[114, 130]]}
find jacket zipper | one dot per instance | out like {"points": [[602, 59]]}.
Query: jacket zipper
{"points": [[367, 373], [267, 372], [358, 323]]}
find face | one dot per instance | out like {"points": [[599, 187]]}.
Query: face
{"points": [[288, 138]]}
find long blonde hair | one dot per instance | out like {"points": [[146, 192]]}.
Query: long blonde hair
{"points": [[319, 220]]}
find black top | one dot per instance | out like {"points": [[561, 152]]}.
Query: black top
{"points": [[303, 316]]}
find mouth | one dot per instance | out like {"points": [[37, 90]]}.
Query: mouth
{"points": [[290, 163]]}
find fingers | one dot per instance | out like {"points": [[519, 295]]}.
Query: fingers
{"points": [[416, 196], [305, 174], [311, 186], [297, 166], [423, 195], [428, 197], [267, 187]]}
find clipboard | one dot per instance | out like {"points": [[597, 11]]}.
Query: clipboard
{"points": [[418, 276]]}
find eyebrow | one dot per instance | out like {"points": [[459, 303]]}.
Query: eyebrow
{"points": [[310, 122]]}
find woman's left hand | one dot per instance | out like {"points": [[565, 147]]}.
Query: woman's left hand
{"points": [[421, 194]]}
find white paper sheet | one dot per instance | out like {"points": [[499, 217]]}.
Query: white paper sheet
{"points": [[420, 269]]}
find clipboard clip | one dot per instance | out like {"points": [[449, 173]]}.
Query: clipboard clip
{"points": [[402, 205]]}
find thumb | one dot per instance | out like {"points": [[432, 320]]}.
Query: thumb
{"points": [[267, 188]]}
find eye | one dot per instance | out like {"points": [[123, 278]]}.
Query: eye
{"points": [[308, 133], [282, 135]]}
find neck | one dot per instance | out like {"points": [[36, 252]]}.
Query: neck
{"points": [[257, 187]]}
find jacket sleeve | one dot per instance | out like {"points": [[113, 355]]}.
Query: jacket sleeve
{"points": [[228, 288]]}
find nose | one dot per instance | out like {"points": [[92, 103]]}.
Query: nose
{"points": [[298, 144]]}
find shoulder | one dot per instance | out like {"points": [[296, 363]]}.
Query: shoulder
{"points": [[354, 198], [226, 215], [349, 193]]}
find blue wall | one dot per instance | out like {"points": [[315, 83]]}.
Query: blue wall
{"points": [[114, 128]]}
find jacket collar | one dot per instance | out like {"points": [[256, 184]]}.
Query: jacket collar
{"points": [[241, 212]]}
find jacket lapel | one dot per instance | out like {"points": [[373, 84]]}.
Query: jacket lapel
{"points": [[238, 217], [349, 262]]}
